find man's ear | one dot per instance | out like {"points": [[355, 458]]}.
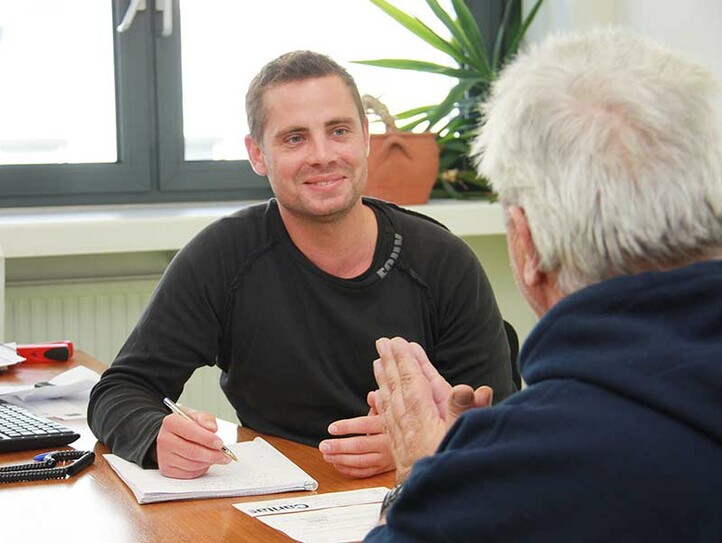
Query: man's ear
{"points": [[255, 155], [522, 244]]}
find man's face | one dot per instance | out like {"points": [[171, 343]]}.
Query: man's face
{"points": [[314, 147]]}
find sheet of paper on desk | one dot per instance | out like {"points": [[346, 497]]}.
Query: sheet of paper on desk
{"points": [[335, 517], [261, 469], [69, 383], [63, 397], [9, 355]]}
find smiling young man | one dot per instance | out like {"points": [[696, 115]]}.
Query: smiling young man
{"points": [[313, 149], [288, 297]]}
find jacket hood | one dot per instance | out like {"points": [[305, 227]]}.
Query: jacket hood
{"points": [[655, 337]]}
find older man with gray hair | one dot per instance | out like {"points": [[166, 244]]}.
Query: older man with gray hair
{"points": [[605, 150]]}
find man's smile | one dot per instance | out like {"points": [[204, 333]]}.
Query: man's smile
{"points": [[324, 181]]}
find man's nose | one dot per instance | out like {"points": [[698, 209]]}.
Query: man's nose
{"points": [[320, 151]]}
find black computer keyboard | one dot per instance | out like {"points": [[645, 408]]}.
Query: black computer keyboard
{"points": [[21, 430]]}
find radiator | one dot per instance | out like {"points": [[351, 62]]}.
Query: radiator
{"points": [[97, 316]]}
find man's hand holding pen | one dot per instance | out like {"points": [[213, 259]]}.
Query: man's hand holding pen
{"points": [[187, 446]]}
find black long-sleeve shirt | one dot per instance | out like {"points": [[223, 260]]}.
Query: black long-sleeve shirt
{"points": [[295, 344]]}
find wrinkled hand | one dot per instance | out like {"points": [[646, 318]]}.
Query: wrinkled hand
{"points": [[186, 450], [365, 452], [416, 405], [452, 402]]}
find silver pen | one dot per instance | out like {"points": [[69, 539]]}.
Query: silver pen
{"points": [[177, 409]]}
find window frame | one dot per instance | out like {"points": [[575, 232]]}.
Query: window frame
{"points": [[42, 184], [176, 174]]}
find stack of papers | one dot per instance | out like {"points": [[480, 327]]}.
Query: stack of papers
{"points": [[336, 517], [261, 469]]}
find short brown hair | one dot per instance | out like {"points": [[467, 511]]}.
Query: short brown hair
{"points": [[293, 66]]}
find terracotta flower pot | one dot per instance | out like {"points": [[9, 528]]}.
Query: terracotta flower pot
{"points": [[402, 165]]}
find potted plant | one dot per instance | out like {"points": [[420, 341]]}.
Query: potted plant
{"points": [[456, 118]]}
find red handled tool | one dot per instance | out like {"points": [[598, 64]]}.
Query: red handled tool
{"points": [[57, 351]]}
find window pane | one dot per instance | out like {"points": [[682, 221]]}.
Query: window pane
{"points": [[226, 42], [57, 97]]}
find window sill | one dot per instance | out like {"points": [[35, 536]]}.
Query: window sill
{"points": [[37, 232]]}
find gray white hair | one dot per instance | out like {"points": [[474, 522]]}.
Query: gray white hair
{"points": [[611, 145]]}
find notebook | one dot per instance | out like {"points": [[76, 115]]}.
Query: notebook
{"points": [[21, 430], [261, 469]]}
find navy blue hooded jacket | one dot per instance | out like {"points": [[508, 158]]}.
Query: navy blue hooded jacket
{"points": [[618, 436]]}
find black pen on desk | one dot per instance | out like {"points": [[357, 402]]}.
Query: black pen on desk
{"points": [[176, 409]]}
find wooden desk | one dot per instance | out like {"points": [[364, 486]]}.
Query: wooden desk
{"points": [[96, 506]]}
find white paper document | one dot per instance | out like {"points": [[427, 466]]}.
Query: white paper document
{"points": [[9, 355], [335, 517], [63, 397], [261, 469]]}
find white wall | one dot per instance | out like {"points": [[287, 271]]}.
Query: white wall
{"points": [[693, 27], [492, 253]]}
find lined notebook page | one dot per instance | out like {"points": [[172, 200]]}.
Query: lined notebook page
{"points": [[261, 469]]}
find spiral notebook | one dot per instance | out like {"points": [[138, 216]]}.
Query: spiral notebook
{"points": [[261, 469]]}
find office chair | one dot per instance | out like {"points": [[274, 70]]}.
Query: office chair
{"points": [[513, 340]]}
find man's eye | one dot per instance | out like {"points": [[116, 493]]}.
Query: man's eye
{"points": [[340, 131], [294, 140]]}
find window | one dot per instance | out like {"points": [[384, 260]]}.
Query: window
{"points": [[46, 119], [92, 115]]}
